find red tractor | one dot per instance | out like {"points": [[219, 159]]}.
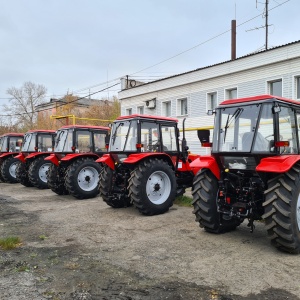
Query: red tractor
{"points": [[253, 171], [145, 166], [32, 169], [73, 168], [10, 145]]}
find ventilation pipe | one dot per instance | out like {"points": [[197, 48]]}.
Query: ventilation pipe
{"points": [[233, 39]]}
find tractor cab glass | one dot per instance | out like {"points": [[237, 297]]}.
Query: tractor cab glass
{"points": [[10, 144], [64, 141], [34, 142], [251, 128], [143, 136]]}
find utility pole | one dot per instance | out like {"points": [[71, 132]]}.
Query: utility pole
{"points": [[267, 25]]}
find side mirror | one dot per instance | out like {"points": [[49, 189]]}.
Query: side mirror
{"points": [[203, 135]]}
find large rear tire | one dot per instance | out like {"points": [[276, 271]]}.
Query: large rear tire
{"points": [[8, 169], [22, 174], [205, 189], [108, 183], [282, 210], [56, 180], [38, 171], [82, 178], [152, 186]]}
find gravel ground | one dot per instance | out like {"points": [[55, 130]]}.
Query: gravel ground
{"points": [[83, 249]]}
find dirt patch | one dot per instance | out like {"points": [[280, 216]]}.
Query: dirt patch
{"points": [[86, 250]]}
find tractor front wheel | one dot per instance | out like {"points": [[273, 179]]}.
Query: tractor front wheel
{"points": [[8, 169], [56, 181], [205, 189], [152, 186], [82, 178], [38, 171], [112, 188], [282, 210]]}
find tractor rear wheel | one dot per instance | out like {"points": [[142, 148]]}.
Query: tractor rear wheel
{"points": [[22, 174], [8, 169], [82, 178], [282, 210], [56, 181], [38, 171], [108, 183], [152, 186], [205, 189]]}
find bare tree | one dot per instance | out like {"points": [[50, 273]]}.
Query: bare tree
{"points": [[21, 106]]}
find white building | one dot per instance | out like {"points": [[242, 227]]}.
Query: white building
{"points": [[189, 95]]}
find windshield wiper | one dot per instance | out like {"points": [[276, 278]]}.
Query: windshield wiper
{"points": [[114, 136], [236, 114]]}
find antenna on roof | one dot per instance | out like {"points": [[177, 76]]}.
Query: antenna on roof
{"points": [[266, 26]]}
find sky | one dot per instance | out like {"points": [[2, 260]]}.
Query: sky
{"points": [[85, 46]]}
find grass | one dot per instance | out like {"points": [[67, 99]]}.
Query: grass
{"points": [[183, 201], [10, 242]]}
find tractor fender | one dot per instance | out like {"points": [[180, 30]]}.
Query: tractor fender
{"points": [[107, 160], [21, 157], [53, 159], [277, 164], [205, 162], [6, 154], [136, 158], [73, 156], [35, 154]]}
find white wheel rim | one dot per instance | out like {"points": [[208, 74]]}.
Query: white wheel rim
{"points": [[43, 171], [298, 212], [12, 169], [88, 179], [158, 187]]}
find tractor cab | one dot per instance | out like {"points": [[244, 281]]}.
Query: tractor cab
{"points": [[81, 139], [246, 132], [11, 142], [141, 133]]}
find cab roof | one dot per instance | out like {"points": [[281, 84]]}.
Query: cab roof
{"points": [[41, 131], [259, 98], [12, 134], [147, 117]]}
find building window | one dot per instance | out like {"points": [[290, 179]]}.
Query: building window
{"points": [[182, 108], [167, 109], [231, 93], [140, 110], [275, 87], [297, 87], [211, 101], [129, 111]]}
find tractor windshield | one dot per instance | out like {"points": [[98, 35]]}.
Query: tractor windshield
{"points": [[63, 142], [3, 144], [124, 136], [243, 129], [29, 142]]}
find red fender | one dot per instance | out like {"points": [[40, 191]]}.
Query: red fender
{"points": [[21, 157], [277, 164], [76, 155], [108, 160], [53, 159], [8, 154], [134, 158], [34, 154], [205, 162]]}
